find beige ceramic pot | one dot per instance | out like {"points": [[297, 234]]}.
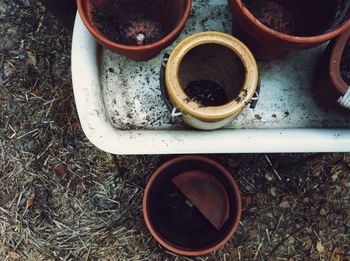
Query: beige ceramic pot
{"points": [[210, 77]]}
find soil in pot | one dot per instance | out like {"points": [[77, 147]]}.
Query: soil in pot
{"points": [[299, 17], [129, 22], [345, 63], [206, 93], [211, 75], [273, 15]]}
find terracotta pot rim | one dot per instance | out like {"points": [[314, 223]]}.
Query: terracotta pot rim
{"points": [[335, 62], [236, 192], [104, 40], [289, 38]]}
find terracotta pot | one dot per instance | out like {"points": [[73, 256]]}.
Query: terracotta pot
{"points": [[210, 77], [301, 24], [329, 84], [170, 15], [192, 205]]}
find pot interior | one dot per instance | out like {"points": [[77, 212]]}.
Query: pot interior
{"points": [[176, 220], [211, 75], [135, 22], [345, 63], [303, 18]]}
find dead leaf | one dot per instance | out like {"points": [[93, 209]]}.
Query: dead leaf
{"points": [[233, 163], [306, 200], [334, 176], [316, 172], [248, 201], [285, 204], [253, 233], [269, 176], [344, 183], [234, 252], [76, 126], [336, 255], [14, 255], [273, 192], [338, 236], [308, 243], [320, 247], [36, 92], [60, 170], [323, 224], [323, 212], [30, 202], [31, 59]]}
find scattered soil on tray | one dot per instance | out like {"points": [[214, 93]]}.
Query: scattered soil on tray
{"points": [[206, 93], [138, 29], [273, 15], [345, 64]]}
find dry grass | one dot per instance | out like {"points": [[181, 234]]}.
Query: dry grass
{"points": [[62, 199]]}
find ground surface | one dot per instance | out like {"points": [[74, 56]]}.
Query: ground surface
{"points": [[62, 199]]}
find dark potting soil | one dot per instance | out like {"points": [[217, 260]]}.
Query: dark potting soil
{"points": [[181, 211], [206, 93], [273, 15], [345, 63], [137, 30]]}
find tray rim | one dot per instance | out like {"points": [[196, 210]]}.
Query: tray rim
{"points": [[96, 126]]}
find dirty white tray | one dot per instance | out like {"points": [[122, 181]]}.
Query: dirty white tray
{"points": [[122, 112]]}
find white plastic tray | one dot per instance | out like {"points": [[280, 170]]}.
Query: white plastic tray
{"points": [[122, 112]]}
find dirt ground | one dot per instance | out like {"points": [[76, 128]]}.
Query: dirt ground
{"points": [[63, 199]]}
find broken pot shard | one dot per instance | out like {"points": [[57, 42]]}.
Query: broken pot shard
{"points": [[207, 194]]}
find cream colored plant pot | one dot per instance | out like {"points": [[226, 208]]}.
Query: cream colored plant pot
{"points": [[220, 59]]}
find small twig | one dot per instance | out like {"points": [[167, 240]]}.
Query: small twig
{"points": [[13, 130], [30, 132], [88, 254], [268, 235], [257, 251], [48, 147], [278, 224], [282, 242], [273, 168]]}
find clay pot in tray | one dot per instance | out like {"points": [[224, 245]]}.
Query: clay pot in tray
{"points": [[136, 29], [192, 205], [332, 78], [274, 28], [209, 79]]}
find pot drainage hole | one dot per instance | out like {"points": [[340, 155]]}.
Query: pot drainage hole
{"points": [[345, 63], [273, 15], [137, 30], [206, 93]]}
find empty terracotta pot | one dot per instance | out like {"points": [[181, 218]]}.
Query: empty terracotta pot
{"points": [[136, 29], [274, 28], [330, 84], [210, 78], [192, 205]]}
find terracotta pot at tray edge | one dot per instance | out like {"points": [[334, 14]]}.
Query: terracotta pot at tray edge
{"points": [[166, 242], [137, 53], [268, 44], [329, 84]]}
